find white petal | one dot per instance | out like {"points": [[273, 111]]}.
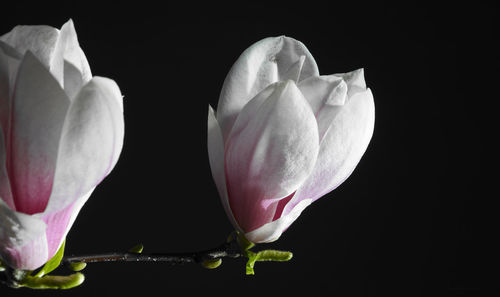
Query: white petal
{"points": [[216, 158], [73, 80], [5, 191], [262, 64], [294, 72], [73, 54], [341, 148], [10, 51], [355, 81], [9, 64], [326, 95], [40, 40], [4, 91], [91, 141], [68, 51], [51, 46], [43, 41]]}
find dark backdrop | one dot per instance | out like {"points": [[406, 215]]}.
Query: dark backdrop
{"points": [[407, 221]]}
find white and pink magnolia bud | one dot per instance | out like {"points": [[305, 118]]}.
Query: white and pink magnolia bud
{"points": [[284, 136]]}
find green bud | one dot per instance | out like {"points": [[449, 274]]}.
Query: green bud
{"points": [[136, 249], [53, 281], [274, 255], [212, 263], [77, 266], [265, 255]]}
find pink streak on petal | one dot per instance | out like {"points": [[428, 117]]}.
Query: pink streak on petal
{"points": [[31, 179], [244, 203], [57, 224]]}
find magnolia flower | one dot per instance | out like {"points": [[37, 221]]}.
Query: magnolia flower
{"points": [[61, 132], [283, 135]]}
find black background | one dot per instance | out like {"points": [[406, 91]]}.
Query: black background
{"points": [[406, 222]]}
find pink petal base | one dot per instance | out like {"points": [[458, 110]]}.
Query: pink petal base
{"points": [[57, 227], [38, 251], [28, 257]]}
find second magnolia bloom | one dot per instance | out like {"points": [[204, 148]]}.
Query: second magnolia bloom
{"points": [[284, 136], [61, 133]]}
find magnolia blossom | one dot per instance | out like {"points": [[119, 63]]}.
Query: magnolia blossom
{"points": [[61, 132], [284, 135]]}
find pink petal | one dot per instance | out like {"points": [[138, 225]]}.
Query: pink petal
{"points": [[271, 150], [57, 227], [23, 244], [27, 257], [59, 223], [272, 231], [38, 110]]}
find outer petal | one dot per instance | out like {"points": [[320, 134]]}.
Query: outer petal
{"points": [[5, 192], [341, 149], [5, 103], [59, 223], [269, 153], [9, 63], [38, 111], [22, 239], [216, 158], [91, 141], [265, 62]]}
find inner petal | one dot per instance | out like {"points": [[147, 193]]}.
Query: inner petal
{"points": [[281, 205]]}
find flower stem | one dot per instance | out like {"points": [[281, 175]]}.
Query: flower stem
{"points": [[227, 250], [236, 246]]}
